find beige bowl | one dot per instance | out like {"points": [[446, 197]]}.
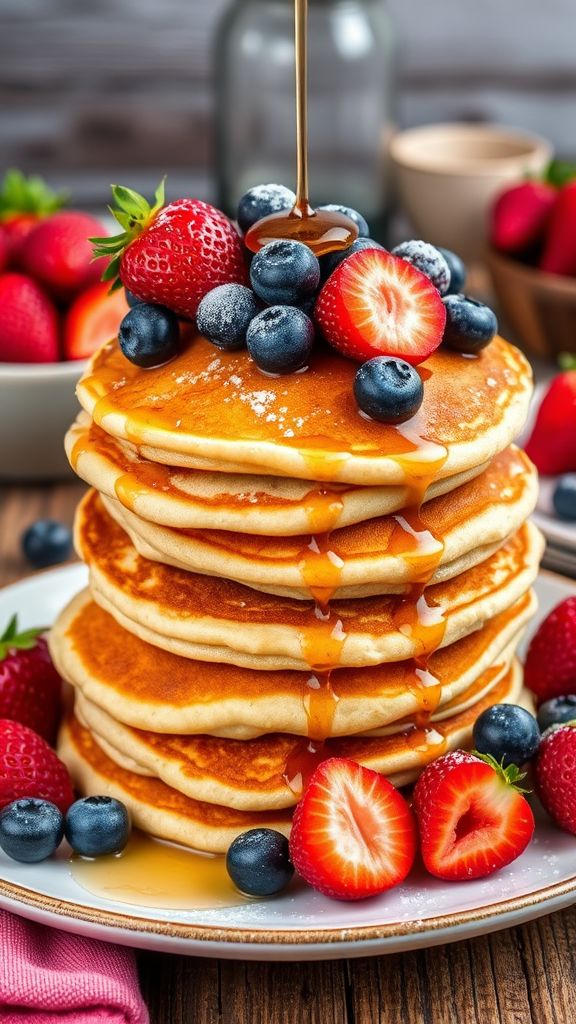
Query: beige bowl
{"points": [[539, 308], [37, 405], [449, 174]]}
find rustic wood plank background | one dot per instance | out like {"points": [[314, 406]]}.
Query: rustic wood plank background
{"points": [[91, 87]]}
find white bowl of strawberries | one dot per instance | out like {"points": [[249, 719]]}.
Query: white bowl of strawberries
{"points": [[54, 313]]}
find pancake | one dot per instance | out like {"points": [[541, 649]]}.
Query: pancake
{"points": [[199, 499], [252, 774], [209, 409], [155, 807], [450, 534], [154, 690], [211, 619]]}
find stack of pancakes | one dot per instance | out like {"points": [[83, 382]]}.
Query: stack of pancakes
{"points": [[276, 579]]}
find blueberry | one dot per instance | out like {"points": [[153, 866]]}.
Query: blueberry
{"points": [[280, 339], [508, 732], [307, 306], [556, 711], [149, 335], [564, 497], [224, 314], [388, 389], [258, 862], [262, 200], [30, 829], [284, 272], [332, 260], [428, 259], [132, 299], [470, 325], [355, 217], [97, 825], [457, 268], [46, 542]]}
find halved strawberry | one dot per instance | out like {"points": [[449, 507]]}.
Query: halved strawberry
{"points": [[353, 834], [472, 818], [93, 319], [377, 304]]}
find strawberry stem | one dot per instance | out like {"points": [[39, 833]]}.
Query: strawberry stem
{"points": [[567, 361], [559, 173], [12, 640], [511, 775], [133, 213], [19, 194]]}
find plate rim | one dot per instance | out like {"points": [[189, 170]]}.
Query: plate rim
{"points": [[123, 922], [195, 932]]}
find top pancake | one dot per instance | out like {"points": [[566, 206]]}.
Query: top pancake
{"points": [[209, 409]]}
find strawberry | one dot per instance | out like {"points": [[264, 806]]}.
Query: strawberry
{"points": [[23, 201], [29, 767], [172, 255], [559, 254], [30, 687], [28, 322], [378, 304], [556, 774], [353, 834], [93, 318], [3, 249], [520, 216], [550, 668], [472, 819], [57, 252], [552, 443]]}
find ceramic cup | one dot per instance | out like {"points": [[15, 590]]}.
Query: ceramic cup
{"points": [[449, 174], [37, 405]]}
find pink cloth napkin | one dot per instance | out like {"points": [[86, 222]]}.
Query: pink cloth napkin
{"points": [[51, 977]]}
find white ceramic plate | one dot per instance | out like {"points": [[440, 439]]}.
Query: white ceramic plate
{"points": [[301, 925]]}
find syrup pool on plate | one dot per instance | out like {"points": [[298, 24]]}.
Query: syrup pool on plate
{"points": [[152, 873]]}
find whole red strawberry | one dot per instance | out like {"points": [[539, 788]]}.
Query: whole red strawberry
{"points": [[3, 249], [28, 322], [559, 254], [30, 687], [552, 443], [520, 215], [556, 774], [471, 817], [29, 767], [58, 253], [171, 255], [550, 668], [23, 202]]}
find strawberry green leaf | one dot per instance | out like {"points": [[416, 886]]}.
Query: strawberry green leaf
{"points": [[560, 172], [134, 213], [511, 775], [567, 361], [12, 640], [19, 194]]}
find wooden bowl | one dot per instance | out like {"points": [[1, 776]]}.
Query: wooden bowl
{"points": [[539, 308]]}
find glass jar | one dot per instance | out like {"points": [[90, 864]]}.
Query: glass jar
{"points": [[350, 102]]}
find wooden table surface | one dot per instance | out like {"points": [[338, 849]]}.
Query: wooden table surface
{"points": [[523, 975]]}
